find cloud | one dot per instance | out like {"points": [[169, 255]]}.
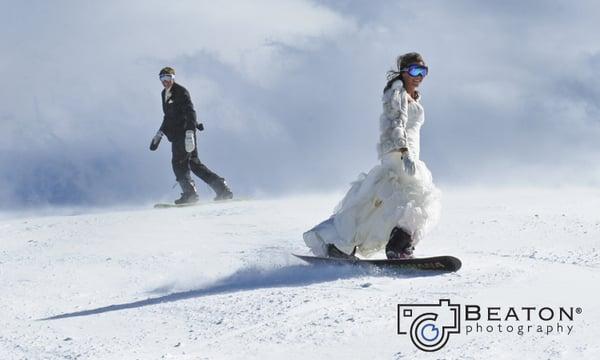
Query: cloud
{"points": [[86, 85], [290, 92], [502, 87]]}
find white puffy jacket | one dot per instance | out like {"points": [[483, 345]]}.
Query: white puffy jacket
{"points": [[401, 122]]}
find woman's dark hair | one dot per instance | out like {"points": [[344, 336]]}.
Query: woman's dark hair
{"points": [[402, 62]]}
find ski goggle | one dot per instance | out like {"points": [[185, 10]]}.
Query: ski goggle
{"points": [[164, 77], [416, 70]]}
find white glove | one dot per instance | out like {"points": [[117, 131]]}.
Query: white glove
{"points": [[409, 163], [156, 140], [190, 144]]}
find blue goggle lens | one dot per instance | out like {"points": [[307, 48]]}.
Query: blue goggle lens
{"points": [[166, 77], [417, 70]]}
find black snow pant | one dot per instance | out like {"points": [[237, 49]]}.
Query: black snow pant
{"points": [[183, 162]]}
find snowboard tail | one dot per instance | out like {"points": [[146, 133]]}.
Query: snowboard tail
{"points": [[436, 263]]}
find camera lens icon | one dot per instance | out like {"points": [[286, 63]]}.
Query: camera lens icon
{"points": [[429, 332], [429, 325]]}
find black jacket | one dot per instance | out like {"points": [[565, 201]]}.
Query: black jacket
{"points": [[179, 113]]}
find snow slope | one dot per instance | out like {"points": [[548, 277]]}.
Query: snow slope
{"points": [[217, 281]]}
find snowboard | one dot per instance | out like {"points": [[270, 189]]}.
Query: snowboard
{"points": [[436, 263], [172, 205], [198, 203]]}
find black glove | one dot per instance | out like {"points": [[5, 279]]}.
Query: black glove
{"points": [[200, 126], [156, 140]]}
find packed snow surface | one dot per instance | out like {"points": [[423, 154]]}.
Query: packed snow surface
{"points": [[217, 281]]}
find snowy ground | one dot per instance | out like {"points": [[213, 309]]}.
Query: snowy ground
{"points": [[217, 281]]}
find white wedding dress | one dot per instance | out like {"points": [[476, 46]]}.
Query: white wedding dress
{"points": [[387, 196]]}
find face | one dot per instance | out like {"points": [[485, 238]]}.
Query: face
{"points": [[412, 82], [167, 81]]}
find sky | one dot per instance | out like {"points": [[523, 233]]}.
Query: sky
{"points": [[289, 92]]}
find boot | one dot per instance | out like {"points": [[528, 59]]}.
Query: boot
{"points": [[222, 190], [334, 252], [400, 245], [189, 195]]}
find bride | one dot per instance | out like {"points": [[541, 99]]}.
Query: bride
{"points": [[396, 203]]}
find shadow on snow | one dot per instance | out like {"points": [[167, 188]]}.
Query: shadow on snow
{"points": [[254, 278]]}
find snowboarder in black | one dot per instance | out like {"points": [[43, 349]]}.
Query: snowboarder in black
{"points": [[179, 125]]}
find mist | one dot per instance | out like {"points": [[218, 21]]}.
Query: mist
{"points": [[289, 93]]}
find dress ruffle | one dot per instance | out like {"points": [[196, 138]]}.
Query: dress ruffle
{"points": [[377, 202]]}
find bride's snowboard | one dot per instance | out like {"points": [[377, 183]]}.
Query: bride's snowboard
{"points": [[436, 263]]}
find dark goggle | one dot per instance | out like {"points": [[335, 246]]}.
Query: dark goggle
{"points": [[416, 70], [164, 77]]}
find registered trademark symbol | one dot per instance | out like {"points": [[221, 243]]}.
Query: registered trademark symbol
{"points": [[578, 310]]}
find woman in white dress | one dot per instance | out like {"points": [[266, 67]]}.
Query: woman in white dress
{"points": [[396, 203]]}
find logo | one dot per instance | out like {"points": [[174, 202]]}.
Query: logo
{"points": [[429, 325]]}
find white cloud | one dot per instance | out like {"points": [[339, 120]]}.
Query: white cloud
{"points": [[290, 89], [86, 73], [84, 57]]}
